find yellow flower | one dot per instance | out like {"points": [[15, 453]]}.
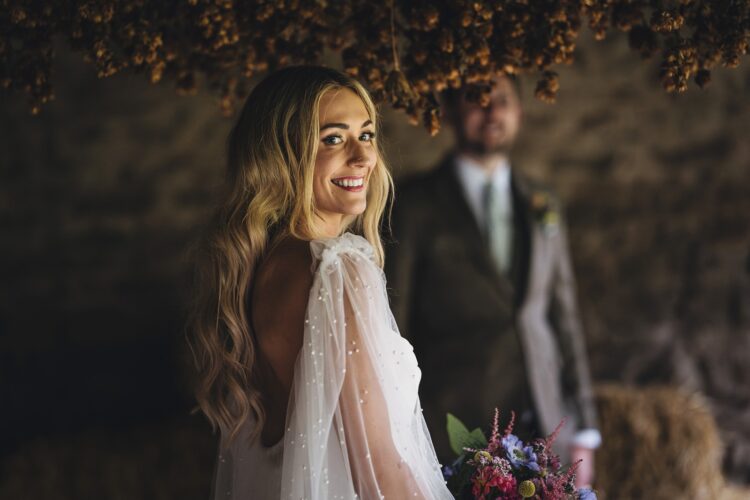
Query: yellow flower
{"points": [[526, 489], [478, 455]]}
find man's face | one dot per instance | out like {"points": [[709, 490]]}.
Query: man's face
{"points": [[492, 129]]}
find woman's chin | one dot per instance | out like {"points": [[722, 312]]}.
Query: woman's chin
{"points": [[353, 208]]}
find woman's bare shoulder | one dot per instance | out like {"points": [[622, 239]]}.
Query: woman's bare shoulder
{"points": [[290, 259]]}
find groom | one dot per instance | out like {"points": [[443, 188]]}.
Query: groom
{"points": [[481, 284]]}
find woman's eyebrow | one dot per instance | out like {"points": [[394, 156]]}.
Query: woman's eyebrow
{"points": [[342, 125]]}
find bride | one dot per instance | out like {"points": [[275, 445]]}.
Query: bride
{"points": [[301, 366]]}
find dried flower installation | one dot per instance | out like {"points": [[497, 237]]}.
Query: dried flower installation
{"points": [[406, 52]]}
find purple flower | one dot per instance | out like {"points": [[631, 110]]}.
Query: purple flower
{"points": [[518, 454], [585, 494], [448, 471], [452, 469]]}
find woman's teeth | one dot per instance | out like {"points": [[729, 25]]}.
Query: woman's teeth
{"points": [[349, 182]]}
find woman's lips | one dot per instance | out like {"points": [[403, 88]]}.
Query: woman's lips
{"points": [[349, 183]]}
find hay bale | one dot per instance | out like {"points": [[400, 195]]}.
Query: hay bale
{"points": [[659, 443], [734, 492]]}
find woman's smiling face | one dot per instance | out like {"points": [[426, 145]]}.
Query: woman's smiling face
{"points": [[345, 159]]}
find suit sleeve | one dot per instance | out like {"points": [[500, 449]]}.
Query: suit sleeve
{"points": [[566, 321], [402, 250]]}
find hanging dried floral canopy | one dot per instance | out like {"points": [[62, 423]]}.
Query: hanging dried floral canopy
{"points": [[405, 51]]}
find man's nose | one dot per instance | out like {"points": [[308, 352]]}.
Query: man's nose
{"points": [[494, 108]]}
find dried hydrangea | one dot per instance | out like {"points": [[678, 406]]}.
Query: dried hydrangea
{"points": [[406, 52]]}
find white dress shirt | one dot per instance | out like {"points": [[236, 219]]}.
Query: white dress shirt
{"points": [[473, 178]]}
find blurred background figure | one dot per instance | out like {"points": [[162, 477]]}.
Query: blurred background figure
{"points": [[482, 285]]}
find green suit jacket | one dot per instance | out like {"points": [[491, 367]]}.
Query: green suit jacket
{"points": [[475, 330]]}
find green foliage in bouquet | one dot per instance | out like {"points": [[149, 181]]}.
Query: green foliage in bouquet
{"points": [[461, 438]]}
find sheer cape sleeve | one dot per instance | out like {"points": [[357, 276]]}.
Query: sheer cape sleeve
{"points": [[354, 426]]}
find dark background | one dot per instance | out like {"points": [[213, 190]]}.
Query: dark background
{"points": [[103, 193]]}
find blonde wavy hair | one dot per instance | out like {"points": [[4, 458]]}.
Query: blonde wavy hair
{"points": [[267, 194]]}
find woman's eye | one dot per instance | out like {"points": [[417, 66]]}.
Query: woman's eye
{"points": [[335, 139], [332, 140]]}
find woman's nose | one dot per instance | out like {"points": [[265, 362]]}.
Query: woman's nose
{"points": [[361, 155]]}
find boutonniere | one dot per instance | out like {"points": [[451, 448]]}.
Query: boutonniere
{"points": [[546, 212]]}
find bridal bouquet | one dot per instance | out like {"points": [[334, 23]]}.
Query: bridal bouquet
{"points": [[506, 468]]}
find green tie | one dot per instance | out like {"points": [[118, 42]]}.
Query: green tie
{"points": [[498, 226]]}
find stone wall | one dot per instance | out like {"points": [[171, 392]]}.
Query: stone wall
{"points": [[102, 194], [658, 198]]}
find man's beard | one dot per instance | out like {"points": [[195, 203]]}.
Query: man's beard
{"points": [[479, 148]]}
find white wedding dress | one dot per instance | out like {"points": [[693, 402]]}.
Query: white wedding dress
{"points": [[354, 425]]}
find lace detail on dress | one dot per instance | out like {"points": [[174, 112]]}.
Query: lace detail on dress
{"points": [[354, 423]]}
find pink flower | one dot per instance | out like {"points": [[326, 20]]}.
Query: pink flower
{"points": [[493, 481]]}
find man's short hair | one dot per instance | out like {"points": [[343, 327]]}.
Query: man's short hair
{"points": [[451, 96]]}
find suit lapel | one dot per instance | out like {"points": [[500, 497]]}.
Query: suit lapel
{"points": [[454, 202], [456, 208], [522, 238]]}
